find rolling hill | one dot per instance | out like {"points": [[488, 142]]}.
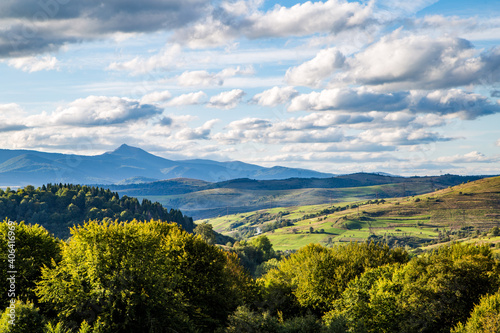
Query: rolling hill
{"points": [[126, 165], [454, 213], [202, 199]]}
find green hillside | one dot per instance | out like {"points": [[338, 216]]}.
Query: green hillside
{"points": [[201, 199], [457, 212]]}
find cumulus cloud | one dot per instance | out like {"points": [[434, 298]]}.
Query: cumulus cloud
{"points": [[332, 16], [322, 120], [204, 78], [236, 19], [421, 62], [263, 131], [30, 26], [12, 118], [101, 110], [464, 104], [402, 137], [227, 99], [199, 78], [312, 72], [454, 101], [275, 96], [34, 64], [166, 121], [199, 133], [156, 97], [354, 99], [205, 34], [188, 99], [10, 109], [6, 127]]}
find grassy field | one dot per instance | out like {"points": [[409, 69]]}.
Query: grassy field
{"points": [[457, 212]]}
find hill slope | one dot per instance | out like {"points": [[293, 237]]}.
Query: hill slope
{"points": [[460, 211], [205, 200]]}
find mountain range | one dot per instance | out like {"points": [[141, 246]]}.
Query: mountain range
{"points": [[127, 165]]}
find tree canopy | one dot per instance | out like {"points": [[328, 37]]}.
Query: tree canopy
{"points": [[60, 206], [140, 277]]}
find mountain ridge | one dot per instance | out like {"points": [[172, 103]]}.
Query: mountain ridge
{"points": [[32, 167]]}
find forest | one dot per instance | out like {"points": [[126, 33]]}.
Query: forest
{"points": [[58, 207], [153, 276]]}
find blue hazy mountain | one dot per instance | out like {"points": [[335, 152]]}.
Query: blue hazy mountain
{"points": [[127, 165]]}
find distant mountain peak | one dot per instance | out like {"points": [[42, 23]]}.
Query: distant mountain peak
{"points": [[125, 149]]}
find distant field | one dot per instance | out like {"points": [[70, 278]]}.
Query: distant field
{"points": [[465, 210]]}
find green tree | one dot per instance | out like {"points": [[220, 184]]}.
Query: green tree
{"points": [[244, 320], [485, 317], [139, 276], [431, 293], [32, 248], [316, 276], [22, 317], [206, 232], [262, 243]]}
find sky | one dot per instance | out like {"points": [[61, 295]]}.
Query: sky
{"points": [[396, 86]]}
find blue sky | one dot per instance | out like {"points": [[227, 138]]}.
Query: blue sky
{"points": [[409, 88]]}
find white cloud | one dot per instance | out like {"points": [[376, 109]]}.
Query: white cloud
{"points": [[34, 64], [402, 136], [354, 145], [358, 157], [168, 58], [332, 17], [12, 118], [314, 71], [199, 133], [460, 103], [250, 124], [199, 78], [420, 62], [155, 97], [354, 99], [472, 157], [236, 71], [227, 99], [241, 8], [275, 96], [188, 99], [10, 109], [454, 101], [29, 27], [204, 78], [471, 28], [101, 110], [206, 34], [498, 143]]}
